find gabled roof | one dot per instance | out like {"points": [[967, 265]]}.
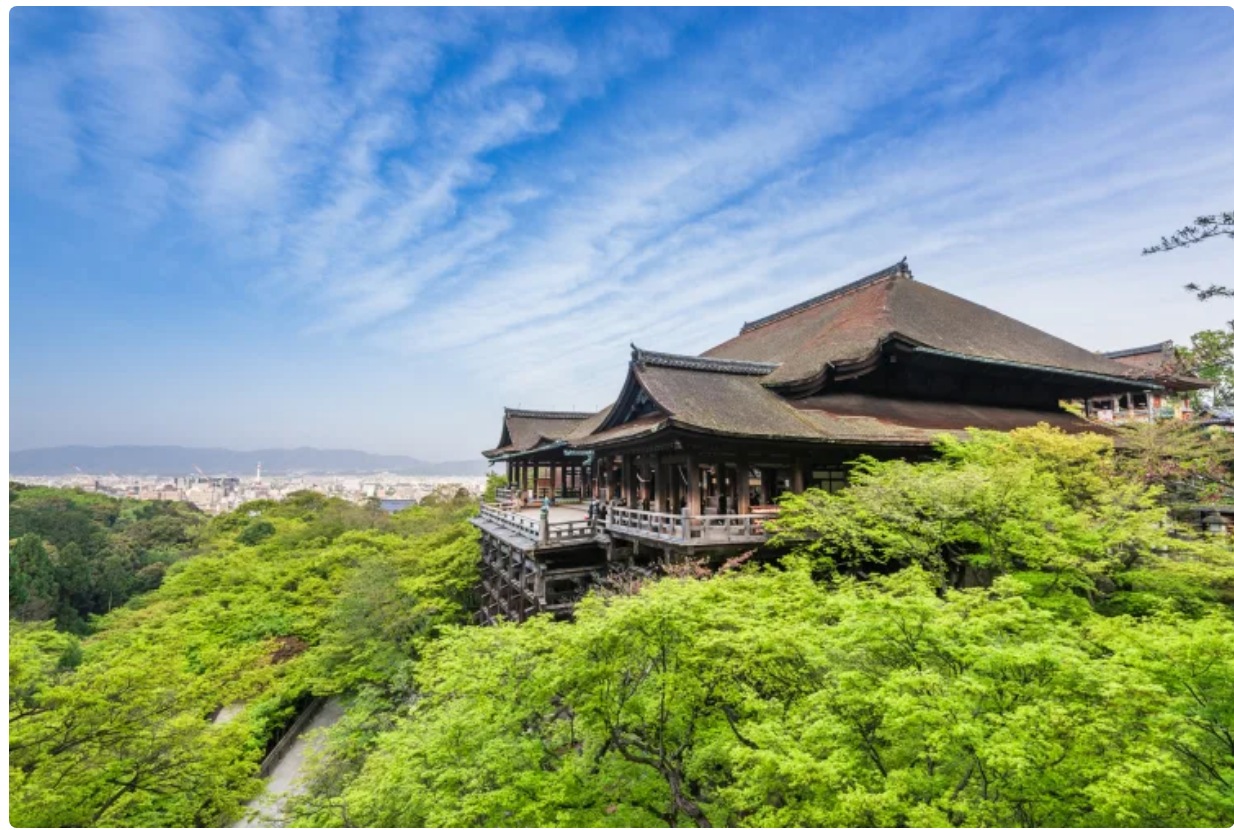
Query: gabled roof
{"points": [[850, 324], [525, 429], [704, 399], [1159, 362], [702, 393], [728, 398]]}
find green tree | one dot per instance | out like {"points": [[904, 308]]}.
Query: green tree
{"points": [[1034, 501], [119, 732], [32, 579], [256, 533], [1211, 357], [768, 699]]}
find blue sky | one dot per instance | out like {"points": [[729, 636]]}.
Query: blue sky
{"points": [[372, 229]]}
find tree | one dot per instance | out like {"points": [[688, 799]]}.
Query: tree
{"points": [[1205, 227], [32, 579], [1211, 357], [1033, 501], [120, 731], [764, 698], [256, 533]]}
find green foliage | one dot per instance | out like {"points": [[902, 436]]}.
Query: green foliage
{"points": [[1033, 501], [255, 533], [491, 482], [333, 600], [96, 551], [764, 698], [1211, 357], [1015, 634], [1191, 463]]}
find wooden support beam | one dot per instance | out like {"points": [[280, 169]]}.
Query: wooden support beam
{"points": [[743, 485], [799, 476], [694, 495], [663, 483]]}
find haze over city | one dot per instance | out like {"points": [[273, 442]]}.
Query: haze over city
{"points": [[371, 229]]}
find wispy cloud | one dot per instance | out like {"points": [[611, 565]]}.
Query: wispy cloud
{"points": [[545, 187]]}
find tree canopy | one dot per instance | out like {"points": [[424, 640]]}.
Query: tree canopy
{"points": [[73, 554], [1020, 632], [116, 729]]}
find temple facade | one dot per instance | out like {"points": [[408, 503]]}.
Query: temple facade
{"points": [[695, 450], [1171, 401]]}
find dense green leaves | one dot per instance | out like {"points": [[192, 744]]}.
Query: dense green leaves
{"points": [[768, 699], [1019, 633], [1063, 513], [117, 729], [73, 554]]}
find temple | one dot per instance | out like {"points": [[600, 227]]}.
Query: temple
{"points": [[694, 451], [1159, 362]]}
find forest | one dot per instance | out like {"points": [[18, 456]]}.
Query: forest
{"points": [[1026, 631]]}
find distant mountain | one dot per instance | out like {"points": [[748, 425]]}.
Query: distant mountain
{"points": [[178, 461]]}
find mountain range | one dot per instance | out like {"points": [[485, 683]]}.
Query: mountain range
{"points": [[178, 461]]}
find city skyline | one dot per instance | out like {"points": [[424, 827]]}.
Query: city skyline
{"points": [[373, 229]]}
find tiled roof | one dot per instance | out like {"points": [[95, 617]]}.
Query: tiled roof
{"points": [[701, 364], [849, 325], [1159, 362], [523, 429], [1162, 348]]}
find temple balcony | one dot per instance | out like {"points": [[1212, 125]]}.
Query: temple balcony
{"points": [[691, 531], [565, 525]]}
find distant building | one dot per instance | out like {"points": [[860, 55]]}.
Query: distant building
{"points": [[1156, 362]]}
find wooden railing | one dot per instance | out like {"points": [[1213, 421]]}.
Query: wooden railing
{"points": [[685, 529], [511, 521], [544, 533]]}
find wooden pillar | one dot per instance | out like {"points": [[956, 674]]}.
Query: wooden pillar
{"points": [[627, 479], [694, 495], [799, 475], [743, 484], [663, 483]]}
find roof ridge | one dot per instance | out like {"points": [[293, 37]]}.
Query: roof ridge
{"points": [[702, 364], [1164, 345], [900, 269], [539, 413]]}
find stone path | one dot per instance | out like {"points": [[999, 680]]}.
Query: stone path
{"points": [[284, 778]]}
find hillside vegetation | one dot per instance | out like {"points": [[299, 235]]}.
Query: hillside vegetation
{"points": [[1019, 633], [327, 598], [73, 554]]}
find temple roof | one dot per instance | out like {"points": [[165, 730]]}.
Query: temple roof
{"points": [[849, 325], [739, 388], [1159, 362], [525, 429], [735, 403], [868, 419]]}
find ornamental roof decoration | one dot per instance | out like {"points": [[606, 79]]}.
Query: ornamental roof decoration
{"points": [[665, 360]]}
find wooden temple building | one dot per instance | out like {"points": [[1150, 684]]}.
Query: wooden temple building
{"points": [[1159, 362], [692, 454]]}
